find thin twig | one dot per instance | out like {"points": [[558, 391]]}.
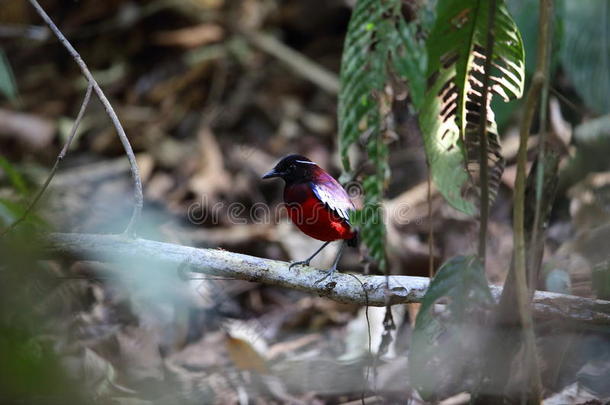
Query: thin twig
{"points": [[568, 103], [370, 340], [483, 158], [525, 315], [430, 227], [519, 236], [299, 63], [212, 111], [60, 157], [536, 240], [135, 173]]}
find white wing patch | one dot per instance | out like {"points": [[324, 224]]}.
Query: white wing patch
{"points": [[334, 197]]}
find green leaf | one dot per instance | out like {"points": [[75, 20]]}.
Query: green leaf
{"points": [[8, 86], [378, 40], [13, 176], [11, 211], [585, 52], [379, 43], [362, 72], [449, 118], [601, 280], [436, 339]]}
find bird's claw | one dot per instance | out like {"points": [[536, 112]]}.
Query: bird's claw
{"points": [[303, 262], [329, 275]]}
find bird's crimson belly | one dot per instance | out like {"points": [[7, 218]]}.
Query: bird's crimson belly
{"points": [[313, 218]]}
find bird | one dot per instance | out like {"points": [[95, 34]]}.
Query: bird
{"points": [[317, 204]]}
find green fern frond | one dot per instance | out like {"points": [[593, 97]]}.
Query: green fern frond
{"points": [[379, 44], [451, 110]]}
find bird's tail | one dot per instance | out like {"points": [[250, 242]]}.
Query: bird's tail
{"points": [[353, 242]]}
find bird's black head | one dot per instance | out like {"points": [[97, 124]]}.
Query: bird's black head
{"points": [[293, 169]]}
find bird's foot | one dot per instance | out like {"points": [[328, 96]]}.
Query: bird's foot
{"points": [[328, 275], [301, 263]]}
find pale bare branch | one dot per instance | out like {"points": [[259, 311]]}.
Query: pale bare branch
{"points": [[343, 287]]}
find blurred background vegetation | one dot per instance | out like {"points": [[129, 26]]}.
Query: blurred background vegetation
{"points": [[211, 93]]}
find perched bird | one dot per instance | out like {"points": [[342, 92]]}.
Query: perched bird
{"points": [[316, 203]]}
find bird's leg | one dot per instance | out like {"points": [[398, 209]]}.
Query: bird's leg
{"points": [[306, 261], [331, 271]]}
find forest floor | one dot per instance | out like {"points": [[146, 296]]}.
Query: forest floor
{"points": [[211, 95]]}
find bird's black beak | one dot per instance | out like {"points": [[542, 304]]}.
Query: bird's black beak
{"points": [[271, 174]]}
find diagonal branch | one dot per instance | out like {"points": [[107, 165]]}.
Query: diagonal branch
{"points": [[60, 157], [348, 288], [135, 174], [299, 63]]}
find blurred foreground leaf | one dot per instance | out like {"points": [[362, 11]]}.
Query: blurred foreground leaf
{"points": [[601, 280], [27, 367], [443, 341], [30, 366], [10, 210], [14, 177]]}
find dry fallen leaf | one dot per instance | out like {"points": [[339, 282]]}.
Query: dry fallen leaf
{"points": [[244, 356], [211, 177], [190, 37], [32, 130]]}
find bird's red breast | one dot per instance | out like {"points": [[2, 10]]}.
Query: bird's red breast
{"points": [[320, 207]]}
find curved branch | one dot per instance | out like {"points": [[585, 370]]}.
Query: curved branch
{"points": [[135, 173], [343, 287]]}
